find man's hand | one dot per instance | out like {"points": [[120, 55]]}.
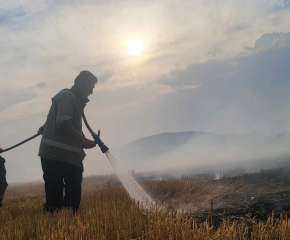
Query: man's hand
{"points": [[87, 143], [70, 130], [40, 130], [1, 150]]}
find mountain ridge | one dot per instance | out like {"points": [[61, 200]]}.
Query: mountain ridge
{"points": [[215, 145]]}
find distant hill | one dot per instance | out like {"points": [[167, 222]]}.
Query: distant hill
{"points": [[164, 143], [197, 149]]}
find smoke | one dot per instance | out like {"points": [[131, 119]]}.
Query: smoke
{"points": [[212, 153]]}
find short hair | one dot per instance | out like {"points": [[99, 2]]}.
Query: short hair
{"points": [[85, 76]]}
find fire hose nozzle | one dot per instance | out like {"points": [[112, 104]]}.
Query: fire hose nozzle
{"points": [[98, 141]]}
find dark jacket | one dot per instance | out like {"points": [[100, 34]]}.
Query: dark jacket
{"points": [[56, 144], [3, 183]]}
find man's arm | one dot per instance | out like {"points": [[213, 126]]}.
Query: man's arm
{"points": [[64, 121]]}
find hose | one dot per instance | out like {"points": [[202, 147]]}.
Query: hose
{"points": [[96, 137], [27, 140]]}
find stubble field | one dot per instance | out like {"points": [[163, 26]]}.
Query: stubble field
{"points": [[192, 209]]}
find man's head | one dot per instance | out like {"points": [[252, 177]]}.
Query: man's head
{"points": [[86, 81]]}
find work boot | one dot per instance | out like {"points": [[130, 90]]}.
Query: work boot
{"points": [[50, 209]]}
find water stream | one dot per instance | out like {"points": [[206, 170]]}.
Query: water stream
{"points": [[133, 188]]}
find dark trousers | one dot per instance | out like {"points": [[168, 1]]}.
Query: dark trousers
{"points": [[58, 175], [3, 183]]}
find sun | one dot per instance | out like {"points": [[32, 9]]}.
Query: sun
{"points": [[135, 47]]}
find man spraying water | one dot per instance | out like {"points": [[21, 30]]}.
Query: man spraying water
{"points": [[62, 143], [61, 149]]}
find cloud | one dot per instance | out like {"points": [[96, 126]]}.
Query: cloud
{"points": [[239, 95], [236, 28], [274, 40], [105, 77], [11, 16], [266, 68], [197, 73], [282, 5], [40, 85], [10, 98]]}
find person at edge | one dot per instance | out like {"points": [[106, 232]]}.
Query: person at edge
{"points": [[61, 148], [3, 182]]}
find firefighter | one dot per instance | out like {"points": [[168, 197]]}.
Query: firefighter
{"points": [[61, 148], [3, 183]]}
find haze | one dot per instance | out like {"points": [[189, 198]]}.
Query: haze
{"points": [[210, 66]]}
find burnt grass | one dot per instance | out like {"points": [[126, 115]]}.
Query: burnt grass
{"points": [[258, 195], [268, 194]]}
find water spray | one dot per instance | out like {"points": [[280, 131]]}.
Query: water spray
{"points": [[135, 191]]}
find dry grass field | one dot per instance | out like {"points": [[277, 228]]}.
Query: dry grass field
{"points": [[107, 212]]}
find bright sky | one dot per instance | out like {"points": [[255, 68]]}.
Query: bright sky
{"points": [[163, 65]]}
